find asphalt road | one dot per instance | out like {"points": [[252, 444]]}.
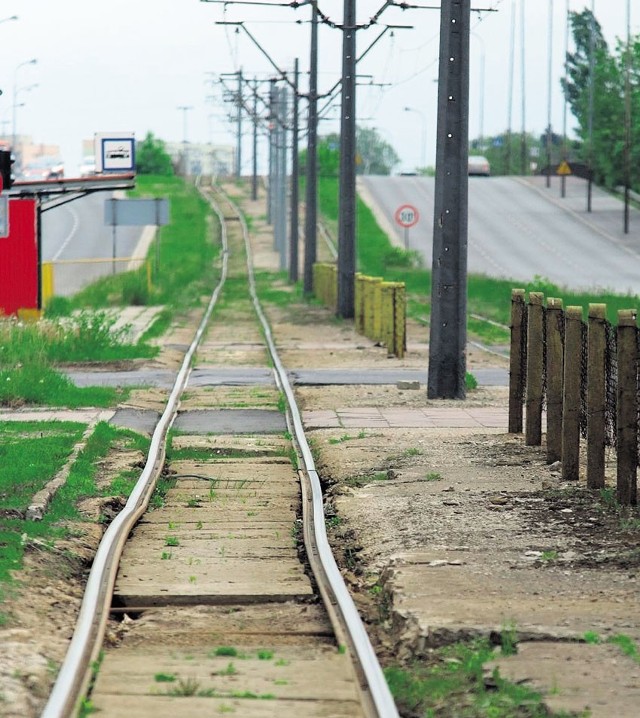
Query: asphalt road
{"points": [[76, 231], [519, 229]]}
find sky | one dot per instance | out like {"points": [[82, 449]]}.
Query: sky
{"points": [[129, 65]]}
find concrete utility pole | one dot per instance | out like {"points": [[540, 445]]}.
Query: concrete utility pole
{"points": [[254, 173], [293, 232], [272, 154], [448, 333], [347, 200], [311, 189], [239, 126]]}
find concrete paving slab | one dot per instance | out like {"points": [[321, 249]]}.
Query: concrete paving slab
{"points": [[141, 420], [231, 421]]}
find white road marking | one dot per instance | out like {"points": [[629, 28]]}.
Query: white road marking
{"points": [[69, 237]]}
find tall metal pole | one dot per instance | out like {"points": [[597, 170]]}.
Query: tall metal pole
{"points": [[549, 82], [565, 148], [185, 141], [448, 331], [282, 179], [272, 154], [627, 121], [254, 174], [347, 199], [523, 137], [239, 127], [293, 232], [311, 189], [592, 68], [512, 44]]}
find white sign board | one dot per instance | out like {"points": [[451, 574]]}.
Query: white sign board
{"points": [[115, 152]]}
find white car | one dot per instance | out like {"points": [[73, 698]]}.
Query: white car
{"points": [[88, 166], [479, 165]]}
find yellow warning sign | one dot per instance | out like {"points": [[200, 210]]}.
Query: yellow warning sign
{"points": [[563, 168]]}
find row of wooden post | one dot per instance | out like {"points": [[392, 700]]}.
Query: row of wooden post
{"points": [[562, 333], [380, 307]]}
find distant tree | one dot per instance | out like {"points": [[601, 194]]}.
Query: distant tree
{"points": [[152, 158], [601, 120], [375, 155]]}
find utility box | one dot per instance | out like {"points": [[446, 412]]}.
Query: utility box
{"points": [[19, 283]]}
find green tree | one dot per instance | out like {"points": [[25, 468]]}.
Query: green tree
{"points": [[375, 156], [600, 112], [152, 158]]}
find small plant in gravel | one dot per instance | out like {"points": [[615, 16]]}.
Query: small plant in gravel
{"points": [[164, 678], [549, 555], [265, 655], [171, 541], [433, 476]]}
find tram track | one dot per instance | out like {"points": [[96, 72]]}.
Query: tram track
{"points": [[227, 617]]}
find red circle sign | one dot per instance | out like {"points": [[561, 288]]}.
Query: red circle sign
{"points": [[407, 215]]}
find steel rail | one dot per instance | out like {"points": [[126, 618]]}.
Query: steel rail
{"points": [[380, 694], [83, 650]]}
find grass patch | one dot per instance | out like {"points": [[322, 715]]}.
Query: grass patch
{"points": [[31, 454], [451, 684]]}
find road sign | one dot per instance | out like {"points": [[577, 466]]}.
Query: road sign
{"points": [[115, 151], [407, 216], [564, 169]]}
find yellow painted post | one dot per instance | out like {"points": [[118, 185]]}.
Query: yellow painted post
{"points": [[400, 320], [47, 279], [386, 316], [333, 287], [28, 315], [377, 309], [359, 302]]}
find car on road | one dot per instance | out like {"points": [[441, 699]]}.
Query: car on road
{"points": [[479, 166], [87, 166], [43, 168]]}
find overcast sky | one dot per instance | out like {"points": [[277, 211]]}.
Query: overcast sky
{"points": [[113, 65]]}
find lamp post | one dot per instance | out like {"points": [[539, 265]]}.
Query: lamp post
{"points": [[423, 134], [33, 61], [185, 109], [482, 64]]}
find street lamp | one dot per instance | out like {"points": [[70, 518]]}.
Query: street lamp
{"points": [[15, 95], [423, 134], [482, 58], [185, 109]]}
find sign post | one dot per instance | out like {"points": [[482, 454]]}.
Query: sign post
{"points": [[406, 216]]}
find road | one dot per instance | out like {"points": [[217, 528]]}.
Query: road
{"points": [[519, 229], [76, 231]]}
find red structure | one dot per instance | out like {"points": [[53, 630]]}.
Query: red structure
{"points": [[19, 258]]}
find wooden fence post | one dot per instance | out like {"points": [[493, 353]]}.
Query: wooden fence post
{"points": [[571, 395], [627, 417], [535, 348], [596, 396], [515, 362], [555, 320]]}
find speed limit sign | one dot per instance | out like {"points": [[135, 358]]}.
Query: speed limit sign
{"points": [[407, 216]]}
